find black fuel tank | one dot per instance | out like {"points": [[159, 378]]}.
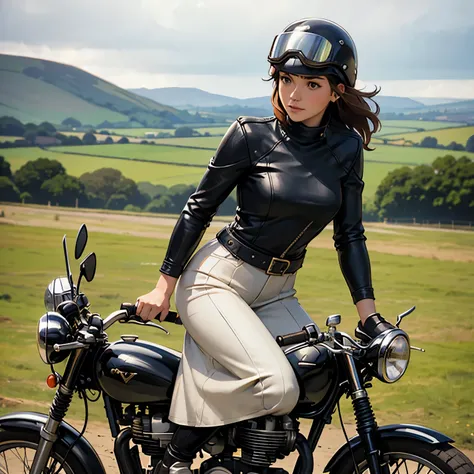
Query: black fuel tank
{"points": [[137, 371], [317, 373]]}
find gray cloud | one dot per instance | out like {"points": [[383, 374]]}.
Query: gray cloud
{"points": [[397, 39]]}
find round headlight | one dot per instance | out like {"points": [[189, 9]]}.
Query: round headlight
{"points": [[52, 329], [394, 355]]}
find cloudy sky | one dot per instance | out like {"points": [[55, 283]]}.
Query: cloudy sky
{"points": [[415, 48]]}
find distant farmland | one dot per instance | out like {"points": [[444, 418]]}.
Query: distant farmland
{"points": [[444, 136], [123, 157]]}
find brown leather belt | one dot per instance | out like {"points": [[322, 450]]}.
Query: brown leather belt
{"points": [[271, 265]]}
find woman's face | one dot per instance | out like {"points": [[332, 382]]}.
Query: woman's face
{"points": [[306, 98]]}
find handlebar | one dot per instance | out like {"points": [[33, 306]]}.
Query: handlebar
{"points": [[309, 333], [131, 309], [293, 338]]}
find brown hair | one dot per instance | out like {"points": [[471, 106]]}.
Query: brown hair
{"points": [[351, 108]]}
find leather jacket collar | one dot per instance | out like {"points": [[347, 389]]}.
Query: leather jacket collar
{"points": [[304, 135]]}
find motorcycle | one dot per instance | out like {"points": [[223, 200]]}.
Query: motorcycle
{"points": [[135, 379]]}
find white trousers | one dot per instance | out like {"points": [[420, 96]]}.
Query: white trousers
{"points": [[232, 368]]}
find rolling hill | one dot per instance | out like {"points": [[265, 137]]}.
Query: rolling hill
{"points": [[35, 90]]}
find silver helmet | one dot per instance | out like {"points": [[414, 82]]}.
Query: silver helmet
{"points": [[58, 290]]}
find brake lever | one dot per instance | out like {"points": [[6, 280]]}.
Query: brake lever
{"points": [[137, 320]]}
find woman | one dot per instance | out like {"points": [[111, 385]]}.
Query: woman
{"points": [[295, 173]]}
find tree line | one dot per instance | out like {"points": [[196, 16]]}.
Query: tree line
{"points": [[45, 181], [443, 191]]}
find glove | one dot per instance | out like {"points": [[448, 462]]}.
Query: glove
{"points": [[374, 325]]}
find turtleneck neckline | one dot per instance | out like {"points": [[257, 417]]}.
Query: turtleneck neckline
{"points": [[301, 133]]}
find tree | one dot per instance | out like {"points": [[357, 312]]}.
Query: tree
{"points": [[47, 127], [71, 122], [64, 190], [73, 140], [123, 140], [11, 127], [429, 142], [5, 169], [470, 144], [31, 176], [117, 202], [455, 146], [108, 140], [442, 190], [89, 139], [183, 132], [101, 185], [8, 191], [163, 204]]}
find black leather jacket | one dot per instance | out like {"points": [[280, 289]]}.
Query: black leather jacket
{"points": [[291, 181]]}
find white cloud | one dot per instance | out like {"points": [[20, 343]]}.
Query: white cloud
{"points": [[225, 42]]}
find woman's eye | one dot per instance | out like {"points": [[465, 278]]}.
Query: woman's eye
{"points": [[285, 79], [313, 85]]}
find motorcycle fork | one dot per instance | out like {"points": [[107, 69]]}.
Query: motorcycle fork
{"points": [[61, 402], [365, 419]]}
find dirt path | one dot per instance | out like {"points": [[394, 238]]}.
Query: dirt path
{"points": [[161, 227], [99, 436]]}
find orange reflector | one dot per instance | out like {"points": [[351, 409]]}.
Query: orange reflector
{"points": [[51, 381]]}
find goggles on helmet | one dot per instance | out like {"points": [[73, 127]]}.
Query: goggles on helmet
{"points": [[310, 48]]}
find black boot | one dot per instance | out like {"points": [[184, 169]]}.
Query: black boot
{"points": [[186, 442]]}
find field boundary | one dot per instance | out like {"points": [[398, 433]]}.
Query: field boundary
{"points": [[51, 149]]}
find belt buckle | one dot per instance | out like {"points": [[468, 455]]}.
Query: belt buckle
{"points": [[277, 260]]}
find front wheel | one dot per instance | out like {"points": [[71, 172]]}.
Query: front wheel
{"points": [[412, 457], [17, 451]]}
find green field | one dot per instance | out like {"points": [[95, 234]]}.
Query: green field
{"points": [[444, 136], [31, 100], [138, 171], [377, 163], [426, 125], [437, 390], [140, 132]]}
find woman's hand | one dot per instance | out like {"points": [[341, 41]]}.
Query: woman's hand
{"points": [[157, 300]]}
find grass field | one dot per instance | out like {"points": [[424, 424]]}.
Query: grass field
{"points": [[437, 390], [444, 136], [138, 171], [377, 163], [426, 125], [140, 132]]}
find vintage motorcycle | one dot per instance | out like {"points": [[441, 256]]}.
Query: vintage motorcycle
{"points": [[135, 379]]}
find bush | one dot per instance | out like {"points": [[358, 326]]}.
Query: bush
{"points": [[117, 202], [163, 204], [108, 140], [132, 208], [184, 132], [71, 122], [89, 139], [123, 140]]}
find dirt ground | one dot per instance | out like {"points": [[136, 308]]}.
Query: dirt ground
{"points": [[99, 436]]}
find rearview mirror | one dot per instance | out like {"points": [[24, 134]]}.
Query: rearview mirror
{"points": [[81, 241], [88, 266]]}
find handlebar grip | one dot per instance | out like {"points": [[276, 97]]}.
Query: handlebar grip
{"points": [[171, 317], [292, 338]]}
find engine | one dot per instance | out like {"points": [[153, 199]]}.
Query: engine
{"points": [[263, 441], [152, 432]]}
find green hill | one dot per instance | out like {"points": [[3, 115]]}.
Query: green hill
{"points": [[35, 90]]}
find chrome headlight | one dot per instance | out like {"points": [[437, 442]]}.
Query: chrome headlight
{"points": [[393, 356], [58, 290], [52, 329]]}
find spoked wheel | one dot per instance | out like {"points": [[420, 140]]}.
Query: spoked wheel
{"points": [[17, 451], [408, 456]]}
